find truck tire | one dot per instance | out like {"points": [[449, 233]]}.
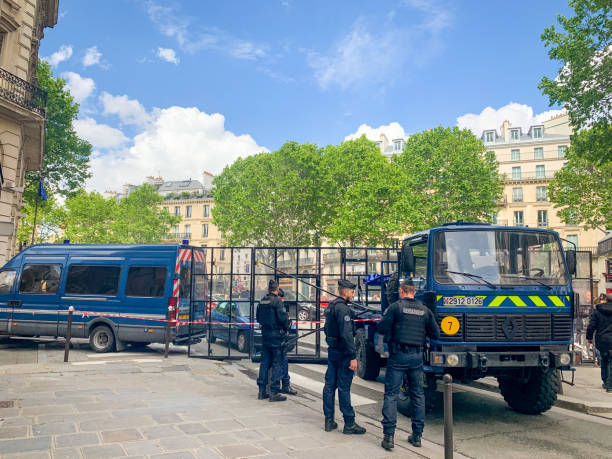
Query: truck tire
{"points": [[368, 360], [393, 288], [102, 339], [533, 396]]}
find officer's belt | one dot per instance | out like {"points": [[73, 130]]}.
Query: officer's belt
{"points": [[399, 347]]}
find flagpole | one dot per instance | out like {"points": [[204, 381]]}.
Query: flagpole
{"points": [[35, 216]]}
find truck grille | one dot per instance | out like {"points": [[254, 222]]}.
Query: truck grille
{"points": [[510, 327]]}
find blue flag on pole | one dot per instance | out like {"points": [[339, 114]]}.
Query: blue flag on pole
{"points": [[41, 191]]}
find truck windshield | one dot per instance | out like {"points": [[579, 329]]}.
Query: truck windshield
{"points": [[499, 257]]}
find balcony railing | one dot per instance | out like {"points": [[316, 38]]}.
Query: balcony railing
{"points": [[529, 176], [22, 93], [178, 236]]}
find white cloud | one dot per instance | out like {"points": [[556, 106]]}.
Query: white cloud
{"points": [[62, 54], [99, 135], [392, 131], [192, 38], [92, 56], [179, 143], [129, 111], [80, 87], [518, 114], [168, 55]]}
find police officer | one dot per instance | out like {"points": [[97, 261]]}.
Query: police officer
{"points": [[286, 386], [341, 360], [406, 323], [274, 323]]}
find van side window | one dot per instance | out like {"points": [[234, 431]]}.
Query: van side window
{"points": [[6, 281], [93, 280], [146, 281], [40, 279]]}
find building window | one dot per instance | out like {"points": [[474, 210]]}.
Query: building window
{"points": [[489, 136], [541, 171], [397, 145], [517, 195], [515, 155], [175, 230], [572, 238], [188, 212], [542, 218], [540, 193], [206, 210], [187, 230], [222, 255], [538, 153], [177, 211], [516, 173], [518, 218], [166, 209], [537, 132], [515, 134], [205, 230], [561, 151]]}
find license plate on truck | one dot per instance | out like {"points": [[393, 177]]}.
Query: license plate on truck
{"points": [[463, 301]]}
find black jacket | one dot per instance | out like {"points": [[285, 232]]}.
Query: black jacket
{"points": [[408, 322], [601, 324], [272, 317], [340, 328]]}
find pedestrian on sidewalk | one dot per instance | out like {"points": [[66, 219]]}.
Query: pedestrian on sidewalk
{"points": [[406, 322], [600, 325], [274, 323], [341, 360], [286, 381]]}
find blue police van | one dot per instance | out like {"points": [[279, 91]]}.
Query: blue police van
{"points": [[121, 294]]}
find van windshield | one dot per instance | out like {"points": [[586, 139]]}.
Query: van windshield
{"points": [[498, 257]]}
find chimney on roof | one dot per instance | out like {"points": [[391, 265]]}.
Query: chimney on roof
{"points": [[505, 130], [207, 179]]}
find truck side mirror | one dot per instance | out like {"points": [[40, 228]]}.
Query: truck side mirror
{"points": [[407, 262], [570, 257]]}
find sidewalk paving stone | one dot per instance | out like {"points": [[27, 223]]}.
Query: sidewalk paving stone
{"points": [[77, 439], [66, 453], [118, 436], [25, 445], [193, 428], [180, 443], [145, 447], [56, 428], [13, 432], [103, 451]]}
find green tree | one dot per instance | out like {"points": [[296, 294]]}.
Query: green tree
{"points": [[361, 190], [583, 46], [447, 176], [46, 225], [87, 218]]}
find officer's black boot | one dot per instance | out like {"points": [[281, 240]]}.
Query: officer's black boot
{"points": [[415, 440], [277, 398], [288, 390], [387, 442], [262, 394], [353, 429], [330, 424]]}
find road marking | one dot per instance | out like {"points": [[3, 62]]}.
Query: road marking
{"points": [[117, 354], [317, 387], [126, 361]]}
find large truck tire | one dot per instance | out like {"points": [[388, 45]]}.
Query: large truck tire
{"points": [[535, 395], [433, 398], [368, 360], [393, 288]]}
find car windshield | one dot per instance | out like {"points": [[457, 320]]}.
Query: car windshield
{"points": [[498, 257]]}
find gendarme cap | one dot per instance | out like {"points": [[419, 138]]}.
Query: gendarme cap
{"points": [[272, 285], [281, 292], [346, 284]]}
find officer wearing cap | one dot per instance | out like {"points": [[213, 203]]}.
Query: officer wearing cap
{"points": [[274, 323], [341, 360], [286, 382], [406, 323]]}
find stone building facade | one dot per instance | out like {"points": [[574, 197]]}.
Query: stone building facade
{"points": [[22, 107]]}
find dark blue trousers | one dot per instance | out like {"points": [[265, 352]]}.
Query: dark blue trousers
{"points": [[411, 364], [606, 368], [338, 376], [271, 360], [285, 378]]}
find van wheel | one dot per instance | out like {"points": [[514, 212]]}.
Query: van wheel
{"points": [[102, 339]]}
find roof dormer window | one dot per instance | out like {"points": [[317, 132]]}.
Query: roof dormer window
{"points": [[489, 136], [537, 132], [515, 134], [397, 145]]}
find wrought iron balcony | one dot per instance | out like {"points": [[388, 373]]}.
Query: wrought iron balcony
{"points": [[22, 93]]}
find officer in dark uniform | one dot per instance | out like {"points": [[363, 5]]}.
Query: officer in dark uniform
{"points": [[274, 323], [286, 386], [406, 323], [341, 360]]}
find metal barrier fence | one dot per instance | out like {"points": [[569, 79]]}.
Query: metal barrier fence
{"points": [[224, 286]]}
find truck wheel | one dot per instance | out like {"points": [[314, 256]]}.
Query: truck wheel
{"points": [[102, 339], [393, 288], [368, 360], [532, 396]]}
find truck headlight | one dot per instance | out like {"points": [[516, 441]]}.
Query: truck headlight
{"points": [[564, 359], [452, 360]]}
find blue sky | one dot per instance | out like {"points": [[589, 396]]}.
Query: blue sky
{"points": [[177, 87]]}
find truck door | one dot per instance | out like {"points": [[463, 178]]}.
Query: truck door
{"points": [[7, 279], [35, 306]]}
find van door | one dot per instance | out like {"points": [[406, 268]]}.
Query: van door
{"points": [[35, 307], [7, 279], [92, 288]]}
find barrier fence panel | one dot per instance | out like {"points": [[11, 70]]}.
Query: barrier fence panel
{"points": [[227, 284]]}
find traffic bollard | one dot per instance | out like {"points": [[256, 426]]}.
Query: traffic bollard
{"points": [[448, 416], [68, 333]]}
